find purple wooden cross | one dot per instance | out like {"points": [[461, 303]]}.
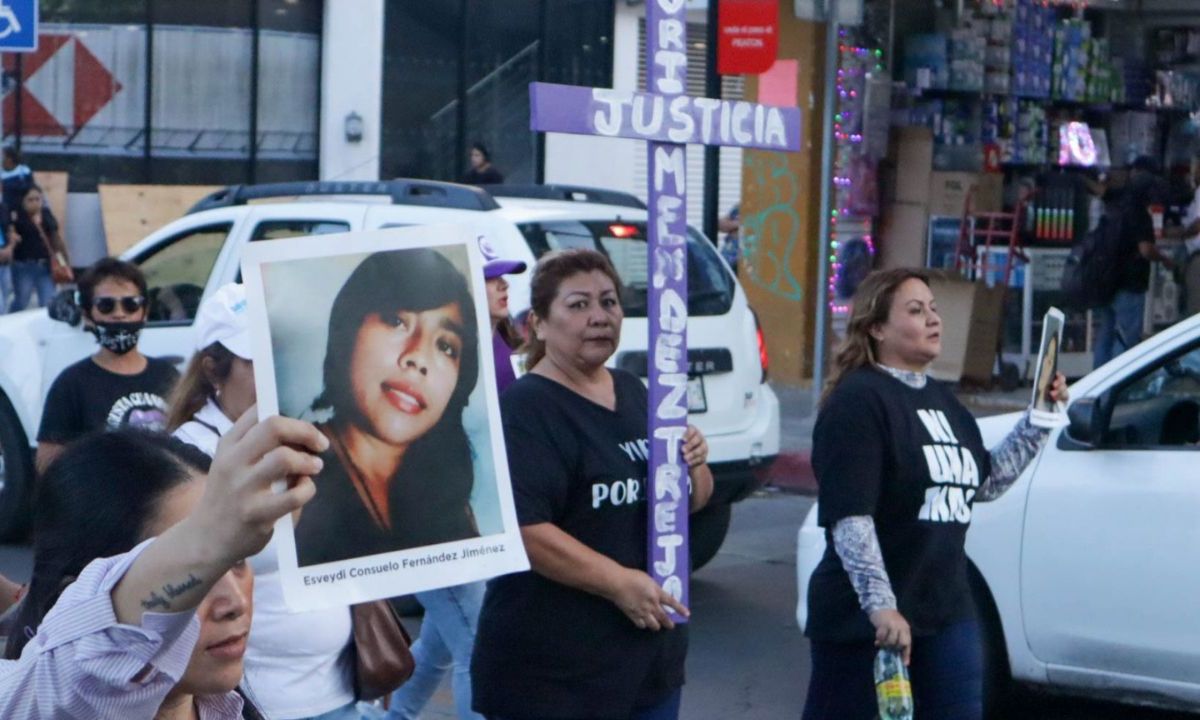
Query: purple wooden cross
{"points": [[668, 120]]}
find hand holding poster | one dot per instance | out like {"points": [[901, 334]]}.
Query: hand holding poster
{"points": [[1044, 412], [380, 338]]}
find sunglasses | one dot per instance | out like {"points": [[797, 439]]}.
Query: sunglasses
{"points": [[129, 303]]}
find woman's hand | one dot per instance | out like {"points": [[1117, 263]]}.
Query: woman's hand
{"points": [[695, 447], [892, 631], [239, 508], [642, 600], [233, 519], [1058, 389], [695, 454]]}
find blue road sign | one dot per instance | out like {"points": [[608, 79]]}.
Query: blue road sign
{"points": [[18, 25]]}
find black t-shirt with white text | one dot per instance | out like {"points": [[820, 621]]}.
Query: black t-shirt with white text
{"points": [[912, 459], [86, 397], [544, 649]]}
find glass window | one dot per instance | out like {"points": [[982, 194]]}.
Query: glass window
{"points": [[1160, 407], [710, 286], [502, 59], [177, 272], [85, 111], [279, 229], [419, 133]]}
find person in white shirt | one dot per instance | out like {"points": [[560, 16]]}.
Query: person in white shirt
{"points": [[139, 605], [292, 664]]}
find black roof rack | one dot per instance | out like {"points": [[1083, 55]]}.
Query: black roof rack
{"points": [[402, 192], [576, 193]]}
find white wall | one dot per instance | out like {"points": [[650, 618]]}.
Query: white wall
{"points": [[597, 161], [351, 81]]}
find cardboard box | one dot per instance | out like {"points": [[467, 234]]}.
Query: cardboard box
{"points": [[948, 192], [902, 236], [912, 156], [971, 315]]}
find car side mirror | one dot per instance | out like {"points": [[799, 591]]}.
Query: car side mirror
{"points": [[1086, 421], [64, 308]]}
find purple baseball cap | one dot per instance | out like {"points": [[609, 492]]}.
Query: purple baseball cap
{"points": [[493, 265]]}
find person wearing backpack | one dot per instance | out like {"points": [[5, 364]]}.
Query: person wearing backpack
{"points": [[1118, 323]]}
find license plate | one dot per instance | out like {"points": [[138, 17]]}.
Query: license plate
{"points": [[697, 401]]}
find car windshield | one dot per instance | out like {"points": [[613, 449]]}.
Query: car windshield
{"points": [[710, 285]]}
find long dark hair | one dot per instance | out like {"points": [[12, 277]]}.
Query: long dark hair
{"points": [[415, 280], [96, 500], [870, 306]]}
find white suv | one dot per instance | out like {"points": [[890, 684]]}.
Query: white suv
{"points": [[201, 251]]}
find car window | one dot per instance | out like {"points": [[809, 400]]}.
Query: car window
{"points": [[1159, 407], [279, 229], [177, 271], [710, 287]]}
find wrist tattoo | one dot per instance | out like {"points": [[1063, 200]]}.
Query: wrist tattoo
{"points": [[170, 591]]}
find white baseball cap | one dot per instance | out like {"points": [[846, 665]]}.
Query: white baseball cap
{"points": [[222, 318]]}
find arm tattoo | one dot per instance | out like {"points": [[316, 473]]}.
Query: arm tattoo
{"points": [[171, 591], [857, 546], [1011, 457]]}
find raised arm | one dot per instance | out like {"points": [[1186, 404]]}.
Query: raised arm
{"points": [[120, 637]]}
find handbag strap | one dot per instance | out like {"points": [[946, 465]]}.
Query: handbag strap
{"points": [[50, 252]]}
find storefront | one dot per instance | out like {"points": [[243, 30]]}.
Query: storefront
{"points": [[1004, 122]]}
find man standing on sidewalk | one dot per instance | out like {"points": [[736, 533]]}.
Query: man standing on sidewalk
{"points": [[1118, 325]]}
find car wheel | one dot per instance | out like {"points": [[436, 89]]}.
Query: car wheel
{"points": [[16, 475], [1000, 693], [708, 528]]}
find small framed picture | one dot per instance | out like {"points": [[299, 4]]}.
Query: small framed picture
{"points": [[1044, 412]]}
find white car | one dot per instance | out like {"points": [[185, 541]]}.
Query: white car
{"points": [[1086, 571], [191, 257]]}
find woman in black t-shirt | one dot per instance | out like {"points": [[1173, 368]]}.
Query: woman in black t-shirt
{"points": [[400, 364], [584, 634], [34, 233], [900, 462]]}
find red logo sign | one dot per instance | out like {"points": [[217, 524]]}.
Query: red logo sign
{"points": [[747, 36]]}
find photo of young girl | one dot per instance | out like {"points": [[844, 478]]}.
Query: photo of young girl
{"points": [[382, 350]]}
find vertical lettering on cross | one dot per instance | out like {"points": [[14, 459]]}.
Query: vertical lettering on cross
{"points": [[666, 43]]}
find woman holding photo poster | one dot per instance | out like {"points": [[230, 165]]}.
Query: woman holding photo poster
{"points": [[585, 634], [899, 462], [400, 363], [294, 665]]}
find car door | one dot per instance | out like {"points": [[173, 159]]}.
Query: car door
{"points": [[1108, 562]]}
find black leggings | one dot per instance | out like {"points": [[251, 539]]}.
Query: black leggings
{"points": [[946, 673]]}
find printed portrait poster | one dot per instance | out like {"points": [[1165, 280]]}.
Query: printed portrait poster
{"points": [[383, 340], [1044, 412]]}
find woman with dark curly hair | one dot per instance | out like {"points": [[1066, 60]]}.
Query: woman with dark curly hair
{"points": [[400, 364]]}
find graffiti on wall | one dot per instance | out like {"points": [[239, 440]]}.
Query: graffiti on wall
{"points": [[773, 234]]}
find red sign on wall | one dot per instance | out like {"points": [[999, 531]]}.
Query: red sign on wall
{"points": [[747, 36]]}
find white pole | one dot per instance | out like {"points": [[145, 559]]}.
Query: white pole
{"points": [[822, 289]]}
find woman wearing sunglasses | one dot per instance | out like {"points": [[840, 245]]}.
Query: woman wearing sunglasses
{"points": [[118, 385]]}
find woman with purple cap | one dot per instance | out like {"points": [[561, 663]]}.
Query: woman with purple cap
{"points": [[451, 614], [505, 337], [293, 660]]}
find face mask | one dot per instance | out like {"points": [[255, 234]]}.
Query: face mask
{"points": [[117, 337]]}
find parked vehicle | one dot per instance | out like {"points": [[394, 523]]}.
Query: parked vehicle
{"points": [[1084, 571], [191, 257]]}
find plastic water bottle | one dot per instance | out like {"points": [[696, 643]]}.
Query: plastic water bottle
{"points": [[892, 688]]}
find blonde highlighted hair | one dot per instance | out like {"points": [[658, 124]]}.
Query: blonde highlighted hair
{"points": [[870, 307]]}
